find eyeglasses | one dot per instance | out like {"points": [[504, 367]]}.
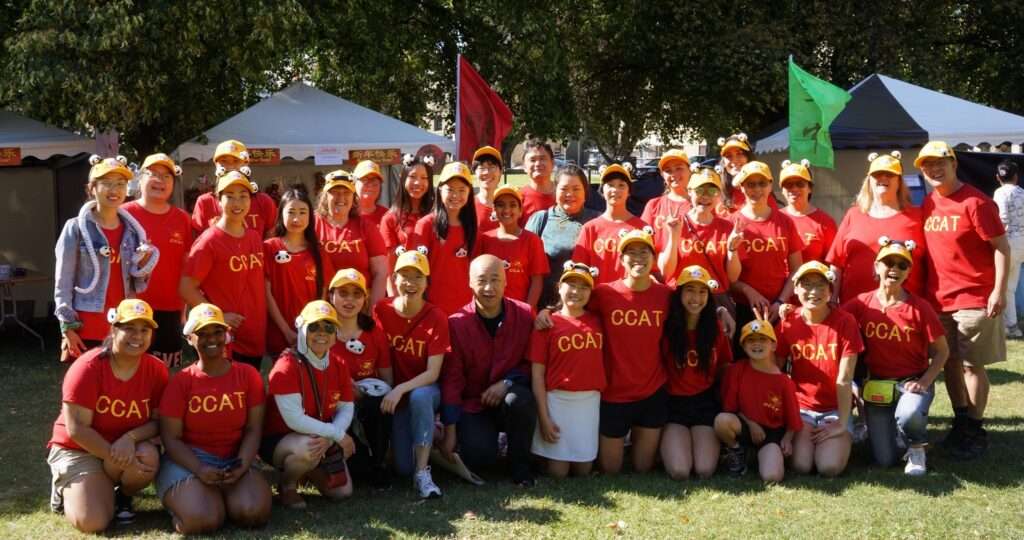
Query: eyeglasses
{"points": [[706, 191], [112, 186], [896, 263], [321, 328]]}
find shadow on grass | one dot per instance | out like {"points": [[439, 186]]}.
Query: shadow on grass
{"points": [[997, 376]]}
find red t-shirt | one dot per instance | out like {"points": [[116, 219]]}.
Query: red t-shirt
{"points": [[815, 351], [766, 398], [230, 272], [655, 212], [484, 222], [856, 244], [449, 264], [685, 378], [350, 246], [958, 229], [817, 230], [412, 340], [632, 323], [397, 234], [375, 216], [262, 213], [213, 410], [95, 326], [571, 352], [117, 406], [524, 258], [707, 243], [764, 253], [534, 201], [290, 376], [292, 284], [376, 355], [896, 339], [598, 245], [171, 233]]}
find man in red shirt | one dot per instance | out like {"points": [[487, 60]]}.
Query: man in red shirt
{"points": [[232, 155], [168, 228], [967, 283], [539, 163], [486, 375]]}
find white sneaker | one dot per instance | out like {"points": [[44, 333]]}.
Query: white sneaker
{"points": [[1014, 333], [915, 462], [425, 485]]}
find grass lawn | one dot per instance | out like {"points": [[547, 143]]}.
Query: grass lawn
{"points": [[983, 499]]}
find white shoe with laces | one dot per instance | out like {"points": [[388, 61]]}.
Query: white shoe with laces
{"points": [[916, 460], [425, 485]]}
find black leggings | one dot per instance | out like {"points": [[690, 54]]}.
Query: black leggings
{"points": [[372, 437]]}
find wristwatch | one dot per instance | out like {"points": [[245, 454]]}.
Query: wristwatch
{"points": [[508, 383]]}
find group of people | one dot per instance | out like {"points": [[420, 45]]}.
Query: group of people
{"points": [[510, 326]]}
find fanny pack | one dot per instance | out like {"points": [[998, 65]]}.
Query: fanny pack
{"points": [[881, 391]]}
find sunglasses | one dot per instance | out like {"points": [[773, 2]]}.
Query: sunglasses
{"points": [[321, 327], [706, 191], [896, 263]]}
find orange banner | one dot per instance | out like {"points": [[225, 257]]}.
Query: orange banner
{"points": [[265, 156], [10, 156], [384, 156]]}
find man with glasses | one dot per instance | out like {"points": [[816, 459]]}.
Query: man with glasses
{"points": [[169, 229], [967, 283]]}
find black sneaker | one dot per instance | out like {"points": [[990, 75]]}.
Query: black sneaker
{"points": [[123, 512], [972, 446], [957, 433], [736, 460]]}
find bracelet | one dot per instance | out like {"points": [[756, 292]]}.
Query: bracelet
{"points": [[73, 325]]}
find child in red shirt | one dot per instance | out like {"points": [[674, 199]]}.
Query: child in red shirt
{"points": [[821, 345], [696, 351], [418, 333], [599, 238], [211, 420], [450, 236], [568, 377], [297, 269], [526, 264], [100, 439], [760, 408], [226, 267], [364, 348], [414, 198]]}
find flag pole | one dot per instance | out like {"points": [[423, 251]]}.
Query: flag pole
{"points": [[458, 83]]}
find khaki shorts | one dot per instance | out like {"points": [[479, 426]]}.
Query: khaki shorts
{"points": [[67, 465], [973, 338]]}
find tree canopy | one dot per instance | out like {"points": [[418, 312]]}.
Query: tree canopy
{"points": [[161, 71]]}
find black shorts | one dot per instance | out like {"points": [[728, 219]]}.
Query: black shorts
{"points": [[267, 446], [771, 435], [618, 418], [167, 338], [696, 410]]}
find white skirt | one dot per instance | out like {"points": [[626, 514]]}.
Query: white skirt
{"points": [[577, 416]]}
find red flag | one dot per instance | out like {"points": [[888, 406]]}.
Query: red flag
{"points": [[482, 118]]}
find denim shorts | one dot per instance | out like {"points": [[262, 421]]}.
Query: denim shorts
{"points": [[817, 419], [172, 474]]}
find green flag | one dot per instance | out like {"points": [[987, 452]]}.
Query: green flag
{"points": [[813, 105]]}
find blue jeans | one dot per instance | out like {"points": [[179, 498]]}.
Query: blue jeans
{"points": [[413, 426], [907, 419]]}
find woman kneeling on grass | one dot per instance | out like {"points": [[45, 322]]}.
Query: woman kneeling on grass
{"points": [[210, 422], [311, 411], [901, 332], [821, 344], [696, 352], [99, 452], [568, 377], [760, 407]]}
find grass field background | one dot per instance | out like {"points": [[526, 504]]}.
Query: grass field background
{"points": [[982, 499]]}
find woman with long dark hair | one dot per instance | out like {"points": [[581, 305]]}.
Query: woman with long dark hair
{"points": [[412, 200], [297, 268], [450, 235], [696, 352]]}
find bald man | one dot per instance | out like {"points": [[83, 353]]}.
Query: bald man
{"points": [[485, 379]]}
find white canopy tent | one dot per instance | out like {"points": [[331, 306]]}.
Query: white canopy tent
{"points": [[301, 120], [36, 195]]}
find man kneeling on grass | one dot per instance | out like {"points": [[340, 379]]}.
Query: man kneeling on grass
{"points": [[760, 408]]}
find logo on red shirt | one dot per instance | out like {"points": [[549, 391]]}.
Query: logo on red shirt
{"points": [[941, 224], [120, 409], [213, 404]]}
